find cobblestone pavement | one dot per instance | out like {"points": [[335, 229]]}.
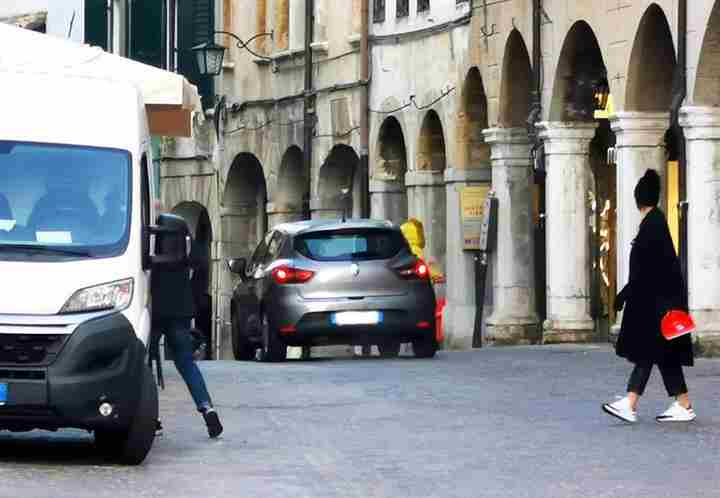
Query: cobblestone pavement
{"points": [[512, 422]]}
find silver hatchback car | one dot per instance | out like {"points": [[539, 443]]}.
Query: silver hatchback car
{"points": [[315, 283]]}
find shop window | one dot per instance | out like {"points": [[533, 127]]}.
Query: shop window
{"points": [[379, 11], [96, 24], [195, 25], [423, 5], [145, 42], [403, 8]]}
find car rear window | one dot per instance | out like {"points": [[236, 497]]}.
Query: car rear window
{"points": [[350, 245]]}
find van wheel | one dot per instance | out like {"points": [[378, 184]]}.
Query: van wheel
{"points": [[132, 445], [243, 350], [273, 349], [389, 349], [425, 348]]}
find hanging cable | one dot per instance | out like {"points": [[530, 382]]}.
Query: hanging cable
{"points": [[413, 102]]}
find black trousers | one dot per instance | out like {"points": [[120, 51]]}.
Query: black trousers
{"points": [[672, 376]]}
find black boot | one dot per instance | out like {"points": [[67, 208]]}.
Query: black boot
{"points": [[214, 427]]}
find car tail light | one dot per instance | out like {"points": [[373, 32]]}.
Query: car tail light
{"points": [[289, 275], [419, 270]]}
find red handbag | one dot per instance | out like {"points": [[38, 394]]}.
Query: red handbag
{"points": [[676, 324]]}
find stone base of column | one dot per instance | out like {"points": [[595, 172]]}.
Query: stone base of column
{"points": [[512, 332], [459, 320], [707, 337], [568, 332], [707, 344]]}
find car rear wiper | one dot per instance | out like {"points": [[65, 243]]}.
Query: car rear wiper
{"points": [[44, 249]]}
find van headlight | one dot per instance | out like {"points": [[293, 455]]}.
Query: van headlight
{"points": [[112, 296]]}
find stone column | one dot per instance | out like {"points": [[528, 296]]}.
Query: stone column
{"points": [[330, 208], [388, 201], [567, 147], [459, 315], [640, 144], [282, 213], [426, 202], [702, 133], [514, 319]]}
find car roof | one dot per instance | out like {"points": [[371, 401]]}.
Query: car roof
{"points": [[311, 226]]}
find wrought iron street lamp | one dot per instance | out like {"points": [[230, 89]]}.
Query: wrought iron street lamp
{"points": [[210, 54]]}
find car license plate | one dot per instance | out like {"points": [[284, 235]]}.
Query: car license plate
{"points": [[357, 318], [3, 394]]}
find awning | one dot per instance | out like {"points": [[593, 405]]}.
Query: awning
{"points": [[169, 98]]}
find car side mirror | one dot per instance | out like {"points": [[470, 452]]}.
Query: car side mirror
{"points": [[237, 266]]}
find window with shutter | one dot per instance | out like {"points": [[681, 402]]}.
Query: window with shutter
{"points": [[195, 25], [379, 10], [96, 23], [403, 8], [423, 5]]}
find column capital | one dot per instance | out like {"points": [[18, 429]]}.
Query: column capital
{"points": [[566, 138], [423, 178], [509, 146], [700, 123], [467, 175], [640, 129], [506, 135]]}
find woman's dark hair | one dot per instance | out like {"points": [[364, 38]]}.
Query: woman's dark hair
{"points": [[647, 191]]}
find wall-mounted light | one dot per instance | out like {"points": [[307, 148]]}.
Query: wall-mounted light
{"points": [[601, 94], [210, 55]]}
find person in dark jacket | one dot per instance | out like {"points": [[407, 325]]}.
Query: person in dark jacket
{"points": [[173, 310], [655, 286]]}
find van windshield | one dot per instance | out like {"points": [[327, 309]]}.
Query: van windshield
{"points": [[63, 201]]}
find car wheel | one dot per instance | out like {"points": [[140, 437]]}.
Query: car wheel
{"points": [[389, 349], [132, 445], [243, 349], [425, 348], [273, 349]]}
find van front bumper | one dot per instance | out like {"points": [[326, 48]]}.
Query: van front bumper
{"points": [[100, 362]]}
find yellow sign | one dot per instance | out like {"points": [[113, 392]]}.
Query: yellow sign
{"points": [[472, 202], [472, 208]]}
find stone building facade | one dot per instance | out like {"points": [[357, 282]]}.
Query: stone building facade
{"points": [[451, 87]]}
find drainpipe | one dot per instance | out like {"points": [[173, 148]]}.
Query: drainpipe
{"points": [[309, 100], [364, 106], [678, 98], [538, 162]]}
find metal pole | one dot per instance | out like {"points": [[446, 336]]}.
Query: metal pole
{"points": [[480, 277], [364, 106], [309, 100]]}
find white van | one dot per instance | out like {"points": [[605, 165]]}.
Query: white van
{"points": [[76, 183]]}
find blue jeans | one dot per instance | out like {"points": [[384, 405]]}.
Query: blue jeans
{"points": [[177, 335]]}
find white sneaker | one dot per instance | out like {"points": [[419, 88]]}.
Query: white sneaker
{"points": [[676, 413], [621, 409]]}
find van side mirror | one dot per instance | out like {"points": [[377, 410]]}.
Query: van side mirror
{"points": [[171, 244], [237, 266]]}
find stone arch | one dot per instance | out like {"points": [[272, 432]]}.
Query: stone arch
{"points": [[516, 84], [198, 220], [244, 202], [707, 84], [338, 188], [581, 62], [390, 169], [290, 202], [652, 64], [431, 153], [472, 120], [392, 153]]}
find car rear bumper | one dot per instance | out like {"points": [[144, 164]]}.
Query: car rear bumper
{"points": [[102, 361], [310, 322]]}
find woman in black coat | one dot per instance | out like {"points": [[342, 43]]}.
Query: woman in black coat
{"points": [[655, 287]]}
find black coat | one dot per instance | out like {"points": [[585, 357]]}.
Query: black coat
{"points": [[655, 286], [171, 289]]}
